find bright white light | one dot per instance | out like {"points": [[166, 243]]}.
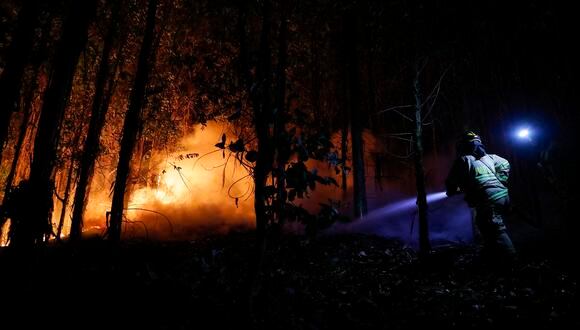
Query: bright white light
{"points": [[524, 133]]}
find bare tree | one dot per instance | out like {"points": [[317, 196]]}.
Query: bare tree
{"points": [[424, 244], [421, 116]]}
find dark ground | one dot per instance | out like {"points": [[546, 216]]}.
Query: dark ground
{"points": [[335, 282]]}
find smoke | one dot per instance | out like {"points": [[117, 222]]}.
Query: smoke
{"points": [[177, 194]]}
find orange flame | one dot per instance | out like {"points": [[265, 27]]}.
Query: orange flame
{"points": [[194, 186], [4, 231]]}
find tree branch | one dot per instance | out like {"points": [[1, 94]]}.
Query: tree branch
{"points": [[395, 108]]}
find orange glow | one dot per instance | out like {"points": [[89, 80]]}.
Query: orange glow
{"points": [[182, 191], [4, 236]]}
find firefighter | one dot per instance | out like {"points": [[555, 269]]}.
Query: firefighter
{"points": [[483, 179]]}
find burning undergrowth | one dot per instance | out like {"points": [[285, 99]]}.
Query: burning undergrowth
{"points": [[176, 193]]}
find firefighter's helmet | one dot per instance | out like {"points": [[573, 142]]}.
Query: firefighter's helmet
{"points": [[470, 137], [470, 143]]}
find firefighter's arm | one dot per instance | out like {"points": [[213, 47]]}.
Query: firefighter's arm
{"points": [[502, 169]]}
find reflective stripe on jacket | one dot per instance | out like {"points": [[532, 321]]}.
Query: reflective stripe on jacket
{"points": [[484, 180]]}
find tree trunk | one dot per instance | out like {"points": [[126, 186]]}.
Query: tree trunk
{"points": [[371, 85], [29, 101], [261, 105], [344, 151], [259, 92], [132, 125], [16, 60], [358, 164], [99, 110], [65, 197], [345, 122], [316, 78], [36, 221], [280, 116], [424, 244]]}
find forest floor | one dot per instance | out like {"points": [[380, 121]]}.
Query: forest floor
{"points": [[344, 281]]}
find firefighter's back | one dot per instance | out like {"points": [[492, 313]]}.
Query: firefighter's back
{"points": [[485, 183]]}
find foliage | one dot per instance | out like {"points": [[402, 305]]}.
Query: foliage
{"points": [[296, 147]]}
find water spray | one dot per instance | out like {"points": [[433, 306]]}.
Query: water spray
{"points": [[407, 204], [449, 220]]}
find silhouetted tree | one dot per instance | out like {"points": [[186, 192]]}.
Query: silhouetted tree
{"points": [[424, 245], [353, 81], [16, 61], [280, 134], [262, 113], [132, 124], [35, 223], [99, 108], [22, 130], [70, 174]]}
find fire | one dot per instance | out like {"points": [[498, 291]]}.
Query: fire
{"points": [[191, 187], [4, 233]]}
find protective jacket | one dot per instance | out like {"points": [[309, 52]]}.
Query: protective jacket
{"points": [[483, 180]]}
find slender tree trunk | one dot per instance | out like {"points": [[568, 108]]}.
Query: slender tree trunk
{"points": [[359, 184], [378, 158], [371, 86], [316, 78], [16, 60], [65, 197], [36, 221], [259, 92], [345, 122], [24, 125], [99, 110], [344, 151], [29, 101], [280, 133], [70, 176], [246, 82], [262, 108], [424, 244], [132, 125]]}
